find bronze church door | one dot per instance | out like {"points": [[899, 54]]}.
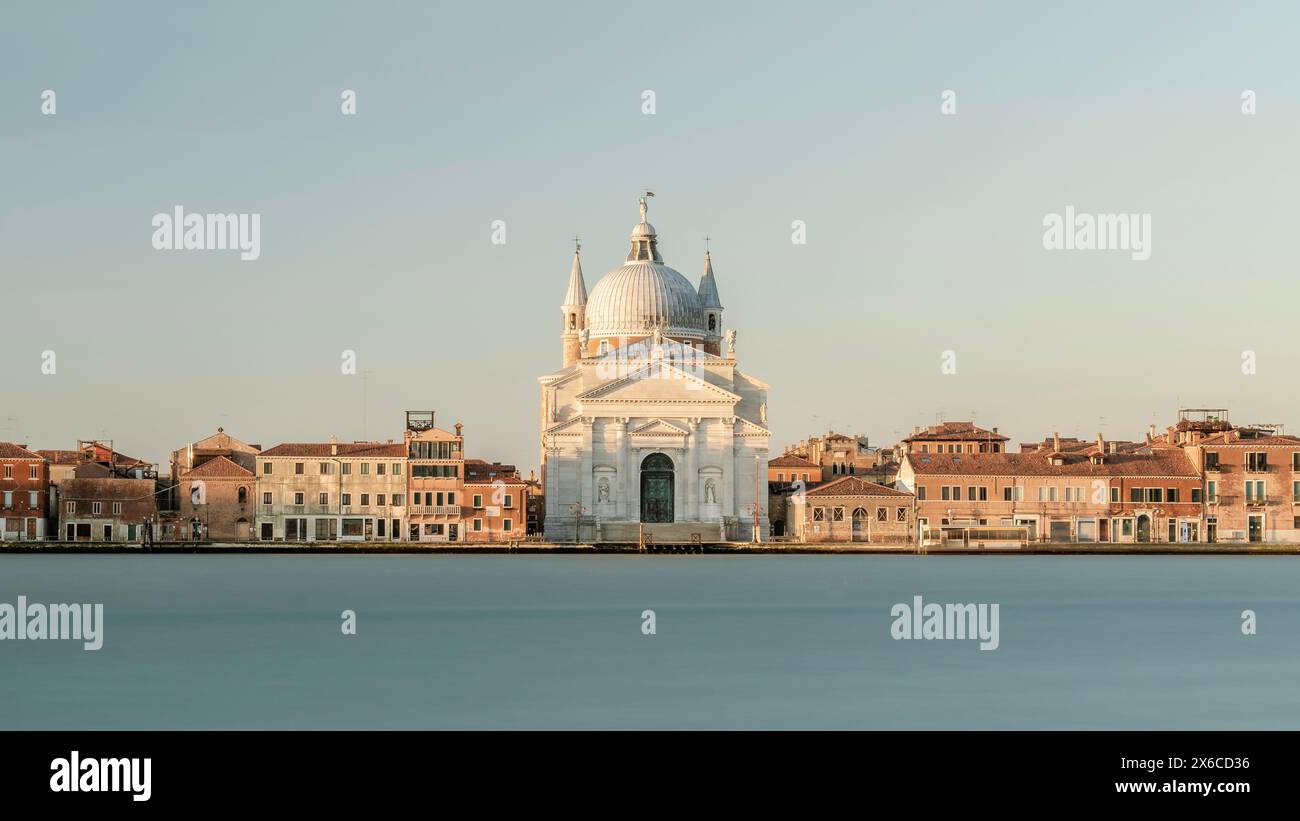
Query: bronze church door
{"points": [[657, 488]]}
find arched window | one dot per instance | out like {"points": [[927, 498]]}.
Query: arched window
{"points": [[573, 321], [243, 495], [713, 322]]}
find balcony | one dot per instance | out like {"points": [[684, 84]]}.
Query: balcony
{"points": [[434, 510]]}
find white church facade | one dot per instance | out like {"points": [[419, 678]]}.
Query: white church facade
{"points": [[650, 427]]}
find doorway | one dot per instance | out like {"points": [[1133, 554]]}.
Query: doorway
{"points": [[657, 481], [1144, 528], [859, 525], [1255, 528]]}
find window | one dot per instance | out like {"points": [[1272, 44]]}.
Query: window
{"points": [[9, 471], [901, 515], [397, 469], [510, 502], [33, 472], [920, 493], [1135, 494], [1126, 527], [379, 469], [94, 508], [266, 468], [971, 493], [299, 498], [1171, 495], [31, 500], [1014, 493], [478, 500], [1211, 460], [478, 525], [507, 525], [365, 468], [1212, 490], [365, 499], [1114, 496], [347, 469], [882, 514], [1256, 462], [327, 530], [1173, 530], [398, 499], [1155, 494], [72, 507], [324, 468], [984, 493], [379, 500], [451, 499], [347, 499], [945, 493], [323, 499], [1295, 462], [266, 498], [1255, 491], [1196, 494], [9, 498], [819, 514], [242, 495], [805, 477], [1295, 491], [298, 468], [117, 508]]}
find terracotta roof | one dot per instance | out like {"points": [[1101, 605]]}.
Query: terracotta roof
{"points": [[853, 486], [489, 481], [478, 470], [1229, 439], [218, 468], [72, 457], [791, 461], [349, 449], [962, 431], [8, 450], [1158, 463]]}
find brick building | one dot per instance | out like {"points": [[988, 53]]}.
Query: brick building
{"points": [[953, 437], [851, 509], [100, 505], [1060, 495], [24, 493], [213, 490], [436, 479]]}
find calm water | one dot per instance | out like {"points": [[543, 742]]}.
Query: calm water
{"points": [[555, 642]]}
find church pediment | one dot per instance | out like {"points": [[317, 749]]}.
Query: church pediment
{"points": [[573, 427], [745, 427], [658, 382], [658, 427]]}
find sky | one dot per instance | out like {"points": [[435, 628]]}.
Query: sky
{"points": [[924, 230]]}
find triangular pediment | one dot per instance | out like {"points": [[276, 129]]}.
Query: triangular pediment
{"points": [[660, 382], [572, 426], [658, 427], [748, 428]]}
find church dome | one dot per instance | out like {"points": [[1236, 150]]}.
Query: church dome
{"points": [[629, 300]]}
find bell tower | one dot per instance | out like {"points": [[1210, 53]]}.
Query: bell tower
{"points": [[574, 310]]}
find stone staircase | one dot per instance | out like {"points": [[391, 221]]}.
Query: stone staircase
{"points": [[668, 533]]}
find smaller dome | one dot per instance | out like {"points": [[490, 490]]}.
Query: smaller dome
{"points": [[644, 229]]}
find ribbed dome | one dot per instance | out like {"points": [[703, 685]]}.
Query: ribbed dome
{"points": [[627, 300]]}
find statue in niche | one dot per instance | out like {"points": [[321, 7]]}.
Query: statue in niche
{"points": [[583, 336], [710, 492], [602, 490], [731, 341], [762, 413]]}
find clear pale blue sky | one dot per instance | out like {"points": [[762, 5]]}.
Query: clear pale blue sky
{"points": [[924, 231]]}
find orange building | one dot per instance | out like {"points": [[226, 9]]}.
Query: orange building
{"points": [[954, 437], [1059, 495]]}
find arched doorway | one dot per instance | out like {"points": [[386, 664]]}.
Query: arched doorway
{"points": [[1144, 528], [657, 488], [859, 525]]}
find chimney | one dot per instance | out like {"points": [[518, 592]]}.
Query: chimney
{"points": [[1101, 444], [334, 446], [1151, 431], [458, 427], [1114, 447], [1056, 442]]}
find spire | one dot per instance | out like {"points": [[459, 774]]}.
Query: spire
{"points": [[708, 289], [577, 293]]}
